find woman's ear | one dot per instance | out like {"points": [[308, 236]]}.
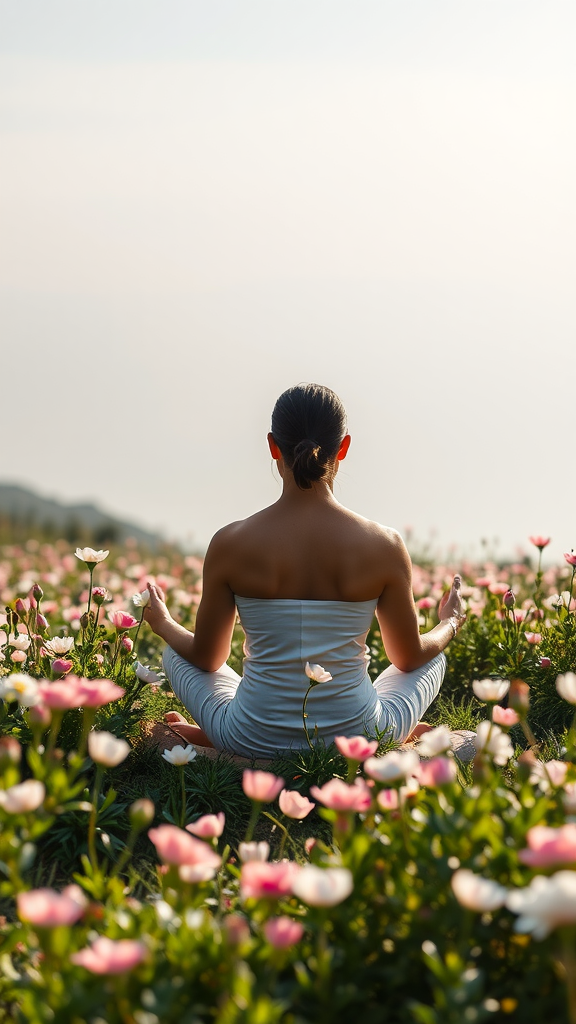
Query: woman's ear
{"points": [[344, 446], [274, 449]]}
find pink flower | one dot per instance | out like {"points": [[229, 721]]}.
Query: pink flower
{"points": [[263, 787], [261, 880], [105, 956], [209, 826], [570, 558], [75, 692], [47, 908], [282, 932], [549, 846], [539, 542], [61, 666], [387, 799], [23, 797], [545, 662], [122, 620], [175, 846], [440, 771], [96, 692], [356, 748], [425, 603], [498, 588], [509, 599], [533, 638], [18, 656], [339, 796], [505, 716], [294, 805]]}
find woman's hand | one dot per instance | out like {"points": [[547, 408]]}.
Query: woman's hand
{"points": [[156, 612], [451, 603]]}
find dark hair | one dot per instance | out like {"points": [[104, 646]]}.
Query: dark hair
{"points": [[308, 424]]}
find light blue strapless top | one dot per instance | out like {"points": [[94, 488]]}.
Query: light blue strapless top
{"points": [[281, 636]]}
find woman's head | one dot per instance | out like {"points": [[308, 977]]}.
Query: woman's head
{"points": [[308, 426]]}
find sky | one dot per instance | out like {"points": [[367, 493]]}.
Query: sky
{"points": [[202, 204]]}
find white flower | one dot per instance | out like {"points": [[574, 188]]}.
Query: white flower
{"points": [[89, 556], [322, 887], [490, 690], [566, 686], [435, 742], [253, 851], [548, 773], [20, 687], [142, 599], [395, 766], [477, 893], [59, 645], [490, 739], [20, 641], [196, 872], [317, 674], [545, 904], [106, 749], [26, 796], [146, 674], [180, 755]]}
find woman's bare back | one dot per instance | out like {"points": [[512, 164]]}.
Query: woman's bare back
{"points": [[316, 550]]}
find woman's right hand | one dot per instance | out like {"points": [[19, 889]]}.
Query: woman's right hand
{"points": [[156, 612], [451, 602]]}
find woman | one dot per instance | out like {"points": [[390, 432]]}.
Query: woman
{"points": [[306, 577]]}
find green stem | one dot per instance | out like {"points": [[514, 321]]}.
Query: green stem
{"points": [[305, 716], [93, 817], [286, 837], [256, 805], [91, 571], [141, 620], [183, 797]]}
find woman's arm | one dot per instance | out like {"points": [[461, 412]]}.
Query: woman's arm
{"points": [[397, 616], [209, 647]]}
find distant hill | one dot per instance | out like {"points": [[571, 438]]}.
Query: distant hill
{"points": [[23, 511]]}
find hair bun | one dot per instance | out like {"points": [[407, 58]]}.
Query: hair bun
{"points": [[308, 424], [308, 448]]}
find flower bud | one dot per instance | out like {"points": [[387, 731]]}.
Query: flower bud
{"points": [[99, 595], [20, 608], [39, 714], [545, 662], [60, 667], [237, 929], [41, 622], [37, 592], [519, 697], [509, 599], [141, 813], [10, 751], [127, 645], [84, 620], [526, 764]]}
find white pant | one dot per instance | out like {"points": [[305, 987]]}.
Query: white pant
{"points": [[401, 700]]}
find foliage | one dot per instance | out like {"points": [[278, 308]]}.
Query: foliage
{"points": [[394, 941]]}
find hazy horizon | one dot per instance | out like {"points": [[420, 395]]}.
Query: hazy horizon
{"points": [[203, 204]]}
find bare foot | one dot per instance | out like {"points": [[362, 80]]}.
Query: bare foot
{"points": [[191, 733], [418, 731]]}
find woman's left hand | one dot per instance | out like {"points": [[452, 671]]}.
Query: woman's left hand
{"points": [[156, 612], [451, 603]]}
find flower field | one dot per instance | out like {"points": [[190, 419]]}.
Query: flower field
{"points": [[143, 885]]}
